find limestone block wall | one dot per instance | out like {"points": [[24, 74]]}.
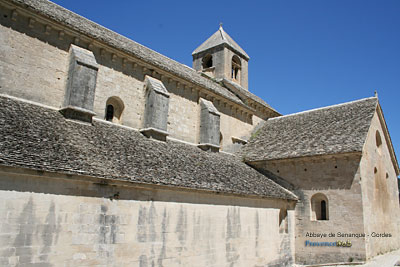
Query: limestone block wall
{"points": [[59, 221], [235, 124], [34, 66], [338, 178], [380, 193], [184, 112], [129, 88], [30, 68]]}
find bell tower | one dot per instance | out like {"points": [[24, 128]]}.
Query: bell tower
{"points": [[221, 57]]}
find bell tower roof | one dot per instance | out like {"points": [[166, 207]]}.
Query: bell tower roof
{"points": [[220, 37]]}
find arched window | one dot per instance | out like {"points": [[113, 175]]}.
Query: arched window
{"points": [[236, 66], [114, 109], [207, 61], [319, 207]]}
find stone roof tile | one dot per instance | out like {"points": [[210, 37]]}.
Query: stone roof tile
{"points": [[335, 129], [220, 37], [35, 137]]}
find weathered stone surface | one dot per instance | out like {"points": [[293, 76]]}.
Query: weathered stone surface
{"points": [[222, 48], [219, 38], [378, 178], [169, 203], [359, 187], [156, 111], [29, 52], [81, 86], [338, 179], [76, 113], [82, 76], [30, 68], [94, 30], [209, 125], [241, 92], [72, 224]]}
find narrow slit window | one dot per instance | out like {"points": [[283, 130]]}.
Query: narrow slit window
{"points": [[110, 113], [323, 210]]}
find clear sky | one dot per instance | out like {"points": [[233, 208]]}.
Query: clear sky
{"points": [[304, 54]]}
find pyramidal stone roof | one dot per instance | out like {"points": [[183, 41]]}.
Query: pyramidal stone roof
{"points": [[220, 37], [40, 138], [334, 129]]}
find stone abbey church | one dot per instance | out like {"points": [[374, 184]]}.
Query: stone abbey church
{"points": [[112, 154]]}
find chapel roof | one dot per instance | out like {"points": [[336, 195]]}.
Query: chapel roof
{"points": [[40, 138], [220, 37], [334, 129]]}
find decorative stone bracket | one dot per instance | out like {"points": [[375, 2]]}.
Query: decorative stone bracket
{"points": [[237, 140]]}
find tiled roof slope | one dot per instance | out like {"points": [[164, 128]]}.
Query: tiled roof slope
{"points": [[93, 30], [335, 129], [40, 138]]}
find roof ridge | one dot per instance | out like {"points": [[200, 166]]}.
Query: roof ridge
{"points": [[222, 33], [15, 98], [322, 108]]}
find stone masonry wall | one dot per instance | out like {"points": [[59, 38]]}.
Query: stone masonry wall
{"points": [[218, 61], [243, 71], [236, 126], [32, 69], [34, 66], [338, 179], [128, 88], [59, 221], [184, 113], [380, 194]]}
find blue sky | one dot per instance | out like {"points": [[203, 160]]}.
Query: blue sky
{"points": [[303, 54]]}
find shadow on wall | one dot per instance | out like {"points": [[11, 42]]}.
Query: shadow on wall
{"points": [[398, 184], [328, 174], [100, 189]]}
